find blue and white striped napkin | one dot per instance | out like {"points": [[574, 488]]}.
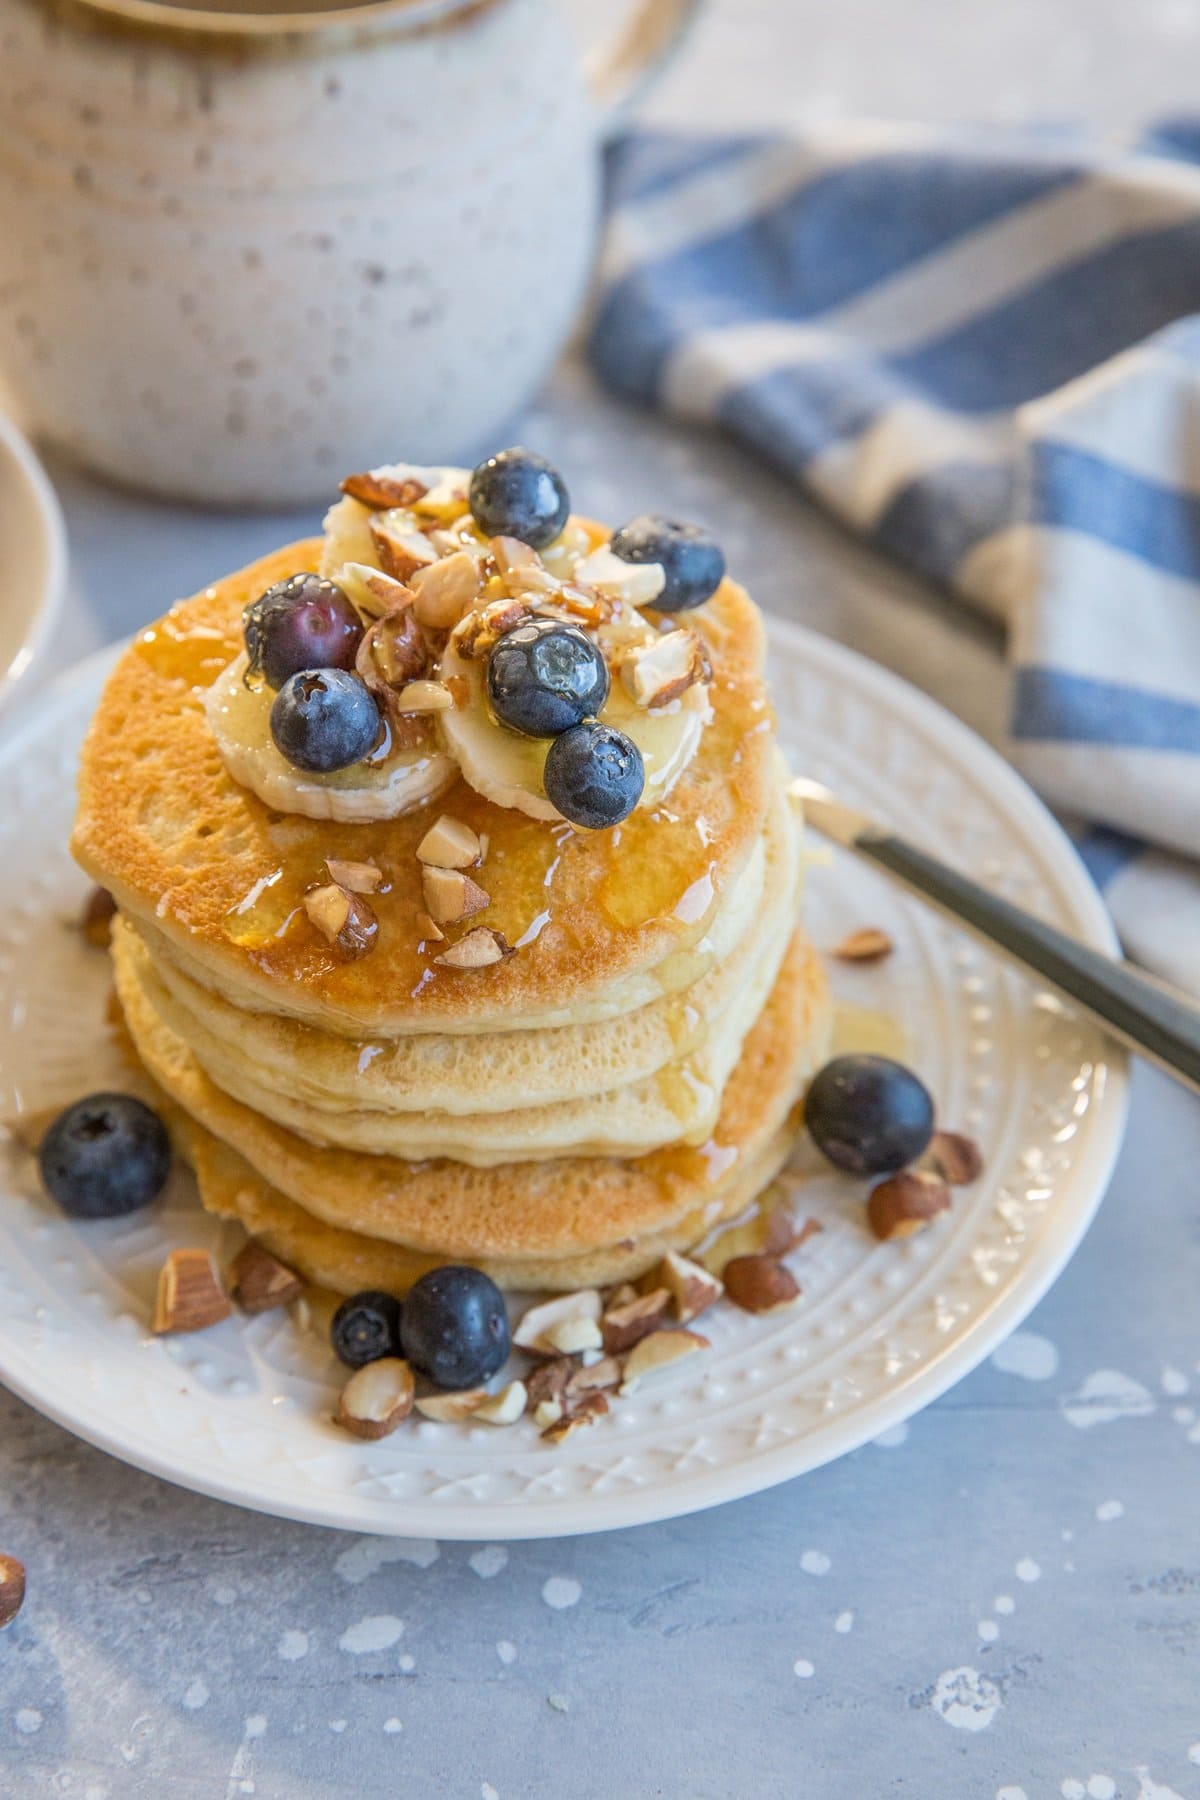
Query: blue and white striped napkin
{"points": [[983, 352]]}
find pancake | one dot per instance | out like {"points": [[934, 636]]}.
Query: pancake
{"points": [[524, 1213], [203, 862], [494, 1071], [348, 1261]]}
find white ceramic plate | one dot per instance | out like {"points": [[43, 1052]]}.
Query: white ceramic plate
{"points": [[242, 1411], [33, 557]]}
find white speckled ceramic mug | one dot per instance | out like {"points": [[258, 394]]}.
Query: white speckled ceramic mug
{"points": [[241, 252]]}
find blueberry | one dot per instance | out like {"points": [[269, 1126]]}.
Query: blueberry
{"points": [[693, 561], [544, 677], [868, 1114], [455, 1327], [324, 719], [301, 623], [594, 776], [366, 1327], [105, 1156], [519, 494]]}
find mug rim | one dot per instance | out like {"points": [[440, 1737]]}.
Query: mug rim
{"points": [[165, 16]]}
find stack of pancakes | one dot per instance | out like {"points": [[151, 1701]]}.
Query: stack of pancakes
{"points": [[623, 1082]]}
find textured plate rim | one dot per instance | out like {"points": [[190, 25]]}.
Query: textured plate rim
{"points": [[1089, 1176]]}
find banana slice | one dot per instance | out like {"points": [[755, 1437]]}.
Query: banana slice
{"points": [[240, 721], [507, 768]]}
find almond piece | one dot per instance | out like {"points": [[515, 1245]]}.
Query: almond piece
{"points": [[424, 697], [12, 1589], [344, 919], [662, 670], [548, 1381], [449, 844], [504, 1408], [451, 1409], [604, 1374], [658, 1352], [430, 933], [691, 1287], [376, 1398], [401, 551], [190, 1296], [392, 653], [954, 1157], [509, 553], [384, 488], [480, 630], [637, 584], [444, 590], [478, 950], [451, 896], [783, 1235], [570, 1336], [259, 1282], [585, 1411], [372, 593], [357, 877], [867, 944], [624, 1326], [95, 920], [534, 1326], [547, 1413], [906, 1203], [760, 1284], [445, 502]]}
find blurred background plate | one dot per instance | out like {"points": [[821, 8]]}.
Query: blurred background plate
{"points": [[33, 557]]}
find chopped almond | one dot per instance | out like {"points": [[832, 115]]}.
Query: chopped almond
{"points": [[451, 896], [259, 1282], [662, 670], [867, 944], [344, 919], [383, 488], [357, 877], [478, 950], [624, 1326], [424, 697], [760, 1284], [377, 1398], [401, 552], [449, 844], [906, 1203], [690, 1285], [656, 1353], [190, 1296], [444, 590]]}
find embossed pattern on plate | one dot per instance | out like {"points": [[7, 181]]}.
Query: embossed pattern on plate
{"points": [[242, 1412]]}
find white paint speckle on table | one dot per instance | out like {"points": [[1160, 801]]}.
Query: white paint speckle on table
{"points": [[844, 1622], [1174, 1382], [1027, 1570], [561, 1591], [815, 1562], [966, 1699], [489, 1561], [559, 1702], [506, 1652], [988, 1631], [803, 1668], [28, 1720], [378, 1631], [367, 1555], [1011, 1793], [1105, 1396], [1004, 1604], [292, 1646], [392, 1726], [1027, 1354], [1109, 1510], [195, 1694], [337, 1725], [488, 1792]]}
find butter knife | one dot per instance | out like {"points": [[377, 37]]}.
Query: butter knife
{"points": [[1153, 1019]]}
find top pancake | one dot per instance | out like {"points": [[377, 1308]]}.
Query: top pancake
{"points": [[184, 848]]}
